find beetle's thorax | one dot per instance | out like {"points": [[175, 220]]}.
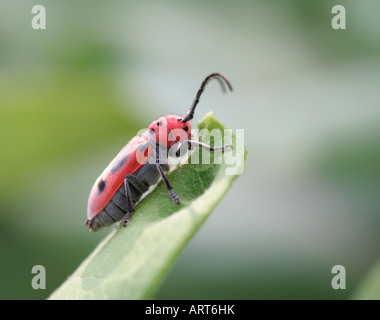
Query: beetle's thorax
{"points": [[169, 130]]}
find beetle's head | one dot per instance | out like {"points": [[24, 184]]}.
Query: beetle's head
{"points": [[170, 130]]}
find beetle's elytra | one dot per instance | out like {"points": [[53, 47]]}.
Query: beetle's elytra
{"points": [[140, 164]]}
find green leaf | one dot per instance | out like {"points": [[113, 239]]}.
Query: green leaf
{"points": [[369, 289], [130, 263]]}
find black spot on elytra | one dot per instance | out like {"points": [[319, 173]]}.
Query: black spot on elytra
{"points": [[159, 124], [101, 185], [185, 128], [119, 164]]}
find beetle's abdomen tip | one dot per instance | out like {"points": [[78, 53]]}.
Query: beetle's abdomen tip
{"points": [[89, 225]]}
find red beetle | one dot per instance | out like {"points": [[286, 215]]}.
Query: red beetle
{"points": [[140, 164]]}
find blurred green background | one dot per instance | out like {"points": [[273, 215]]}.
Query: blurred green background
{"points": [[307, 96]]}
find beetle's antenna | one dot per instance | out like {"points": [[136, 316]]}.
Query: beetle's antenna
{"points": [[222, 79]]}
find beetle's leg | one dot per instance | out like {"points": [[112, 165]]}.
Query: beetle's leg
{"points": [[130, 204], [193, 143], [139, 186], [172, 195], [178, 152]]}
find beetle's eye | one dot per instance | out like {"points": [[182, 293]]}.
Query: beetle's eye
{"points": [[152, 130], [185, 128], [159, 123]]}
